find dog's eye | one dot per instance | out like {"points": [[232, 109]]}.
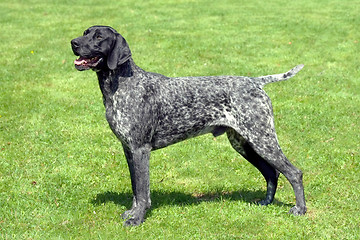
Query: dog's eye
{"points": [[98, 37]]}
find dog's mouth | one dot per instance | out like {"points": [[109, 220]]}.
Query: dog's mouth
{"points": [[83, 63]]}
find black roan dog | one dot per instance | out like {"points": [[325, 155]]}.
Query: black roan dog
{"points": [[148, 111]]}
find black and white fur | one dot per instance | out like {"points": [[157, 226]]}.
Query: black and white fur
{"points": [[148, 111]]}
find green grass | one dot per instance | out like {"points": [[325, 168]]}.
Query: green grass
{"points": [[63, 174]]}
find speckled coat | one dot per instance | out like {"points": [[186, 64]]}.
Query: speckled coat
{"points": [[148, 111]]}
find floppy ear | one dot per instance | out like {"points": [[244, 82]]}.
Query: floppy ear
{"points": [[120, 52]]}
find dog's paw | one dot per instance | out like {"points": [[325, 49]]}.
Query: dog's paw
{"points": [[264, 202], [297, 210], [133, 221], [133, 217]]}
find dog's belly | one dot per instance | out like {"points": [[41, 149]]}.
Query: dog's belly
{"points": [[161, 140]]}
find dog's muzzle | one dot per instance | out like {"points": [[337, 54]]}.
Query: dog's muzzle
{"points": [[84, 62]]}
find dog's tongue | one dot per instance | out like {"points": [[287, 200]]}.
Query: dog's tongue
{"points": [[81, 61]]}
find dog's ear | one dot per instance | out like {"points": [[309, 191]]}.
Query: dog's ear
{"points": [[119, 53]]}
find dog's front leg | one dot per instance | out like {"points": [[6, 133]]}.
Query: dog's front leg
{"points": [[138, 161]]}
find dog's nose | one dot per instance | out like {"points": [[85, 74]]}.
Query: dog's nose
{"points": [[75, 43]]}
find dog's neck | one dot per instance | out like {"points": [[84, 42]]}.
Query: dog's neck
{"points": [[109, 80], [124, 70]]}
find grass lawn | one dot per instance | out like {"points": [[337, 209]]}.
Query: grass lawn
{"points": [[63, 174]]}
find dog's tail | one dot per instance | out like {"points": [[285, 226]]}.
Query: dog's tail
{"points": [[279, 77]]}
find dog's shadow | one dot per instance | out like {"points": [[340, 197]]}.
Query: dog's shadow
{"points": [[179, 198]]}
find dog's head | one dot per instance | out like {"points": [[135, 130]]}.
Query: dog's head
{"points": [[100, 48]]}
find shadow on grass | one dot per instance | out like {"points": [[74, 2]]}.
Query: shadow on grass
{"points": [[179, 198]]}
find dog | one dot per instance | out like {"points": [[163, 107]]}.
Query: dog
{"points": [[148, 111]]}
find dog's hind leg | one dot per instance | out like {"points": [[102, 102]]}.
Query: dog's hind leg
{"points": [[267, 146], [270, 174], [138, 162]]}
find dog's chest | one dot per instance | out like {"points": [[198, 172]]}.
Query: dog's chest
{"points": [[130, 113]]}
